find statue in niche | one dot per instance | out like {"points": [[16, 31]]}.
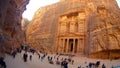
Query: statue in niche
{"points": [[72, 24], [63, 27]]}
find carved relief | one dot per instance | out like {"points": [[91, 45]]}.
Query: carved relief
{"points": [[62, 27], [90, 20], [69, 25], [72, 23], [81, 26]]}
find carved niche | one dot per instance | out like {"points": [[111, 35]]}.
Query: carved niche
{"points": [[72, 22], [63, 24]]}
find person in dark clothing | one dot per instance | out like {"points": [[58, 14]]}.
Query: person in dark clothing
{"points": [[65, 63], [30, 57], [62, 64], [22, 47], [25, 57], [103, 66], [39, 56], [2, 62], [97, 64], [14, 53]]}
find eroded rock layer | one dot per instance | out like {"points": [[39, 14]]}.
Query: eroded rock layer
{"points": [[10, 23], [76, 26]]}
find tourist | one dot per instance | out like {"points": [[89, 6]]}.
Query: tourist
{"points": [[97, 64], [22, 47], [48, 58], [90, 65], [65, 63], [103, 66], [57, 58], [39, 56], [2, 62], [14, 53], [42, 58], [51, 58], [30, 57], [58, 62], [25, 57], [62, 64]]}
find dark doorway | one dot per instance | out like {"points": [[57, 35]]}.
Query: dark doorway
{"points": [[71, 48], [76, 45]]}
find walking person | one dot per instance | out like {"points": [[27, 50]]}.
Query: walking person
{"points": [[103, 66], [14, 53], [30, 57], [2, 62], [65, 63], [39, 56], [62, 64], [25, 56]]}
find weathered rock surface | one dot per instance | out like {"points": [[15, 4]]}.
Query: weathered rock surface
{"points": [[10, 23], [24, 24], [102, 25]]}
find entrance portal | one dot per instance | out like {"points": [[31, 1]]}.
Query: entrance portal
{"points": [[71, 45], [71, 48]]}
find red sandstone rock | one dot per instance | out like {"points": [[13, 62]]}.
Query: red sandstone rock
{"points": [[10, 22], [102, 28]]}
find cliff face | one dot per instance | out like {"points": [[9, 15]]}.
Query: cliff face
{"points": [[10, 23], [102, 24]]}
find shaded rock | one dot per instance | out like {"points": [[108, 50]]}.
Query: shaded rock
{"points": [[10, 22]]}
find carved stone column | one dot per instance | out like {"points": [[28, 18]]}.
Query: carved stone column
{"points": [[63, 45], [78, 46], [67, 46], [73, 45], [59, 44], [81, 45]]}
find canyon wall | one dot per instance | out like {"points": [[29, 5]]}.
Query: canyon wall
{"points": [[102, 25], [11, 34]]}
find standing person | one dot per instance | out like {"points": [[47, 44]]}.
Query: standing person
{"points": [[65, 63], [39, 56], [72, 61], [2, 62], [103, 66], [30, 57], [14, 53], [51, 58], [25, 57], [62, 64], [48, 58], [42, 58]]}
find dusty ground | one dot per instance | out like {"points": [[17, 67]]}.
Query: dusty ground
{"points": [[18, 62]]}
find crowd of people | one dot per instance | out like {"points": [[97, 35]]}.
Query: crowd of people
{"points": [[2, 62], [57, 59]]}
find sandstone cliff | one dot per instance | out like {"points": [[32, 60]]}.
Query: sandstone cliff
{"points": [[102, 28], [10, 23]]}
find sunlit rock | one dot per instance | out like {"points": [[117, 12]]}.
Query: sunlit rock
{"points": [[76, 27]]}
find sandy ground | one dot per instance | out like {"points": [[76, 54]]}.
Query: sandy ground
{"points": [[18, 62]]}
